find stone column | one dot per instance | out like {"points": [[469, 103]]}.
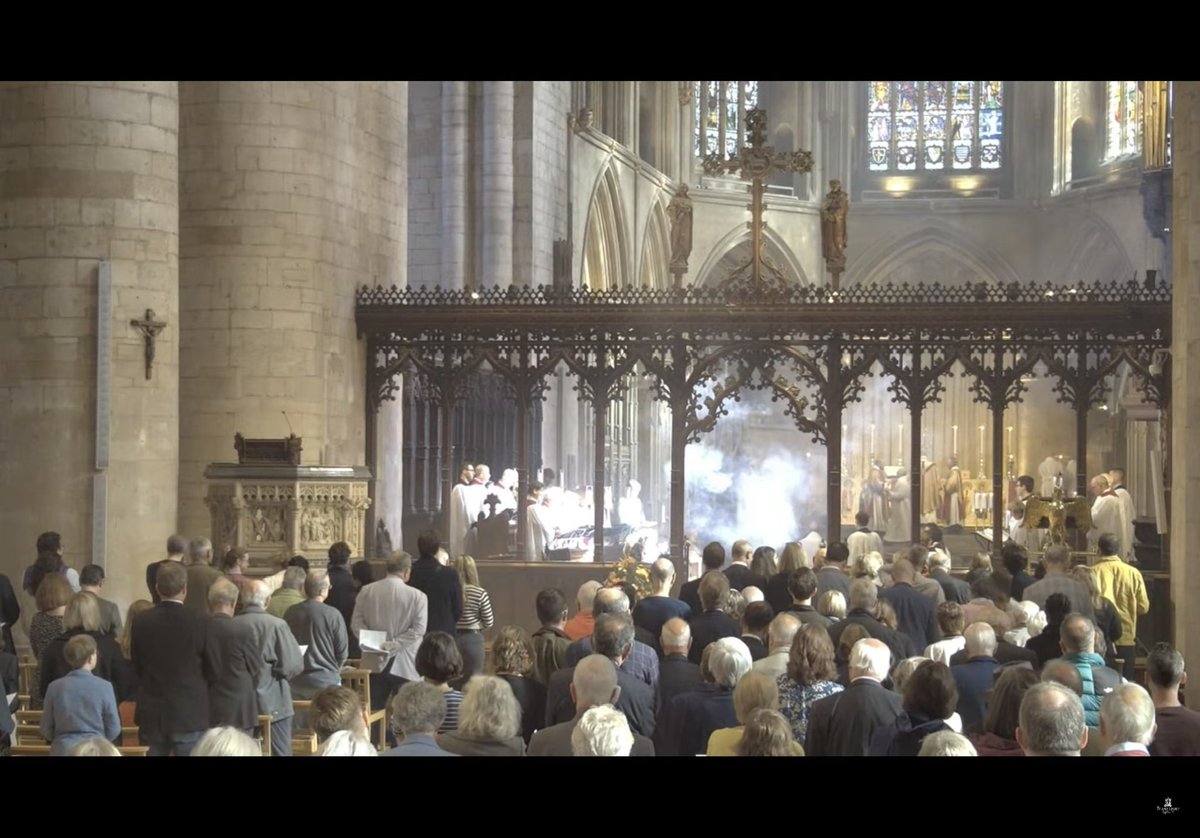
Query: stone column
{"points": [[496, 268], [455, 119], [292, 196], [1185, 375], [88, 175]]}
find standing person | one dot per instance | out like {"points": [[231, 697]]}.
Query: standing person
{"points": [[952, 501], [82, 616], [1122, 584], [713, 558], [49, 560], [281, 659], [832, 576], [1108, 513], [91, 581], [167, 647], [512, 656], [899, 522], [1116, 482], [581, 624], [1178, 732], [53, 594], [321, 632], [201, 574], [232, 662], [739, 573], [791, 559], [342, 590], [79, 705], [476, 616], [290, 593], [842, 724], [176, 548], [10, 612], [438, 583], [652, 611], [399, 610], [550, 642]]}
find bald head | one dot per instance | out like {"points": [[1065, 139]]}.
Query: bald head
{"points": [[903, 571], [783, 631], [662, 574], [752, 594], [1061, 671], [610, 601], [257, 593], [676, 637], [981, 640], [594, 683]]}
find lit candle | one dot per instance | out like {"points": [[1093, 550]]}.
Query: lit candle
{"points": [[954, 447], [900, 444], [982, 428], [871, 452]]}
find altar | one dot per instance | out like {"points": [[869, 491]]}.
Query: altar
{"points": [[276, 508]]}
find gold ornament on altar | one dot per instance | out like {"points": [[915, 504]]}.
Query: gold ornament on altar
{"points": [[630, 570], [1058, 514]]}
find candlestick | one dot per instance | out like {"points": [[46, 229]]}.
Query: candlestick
{"points": [[954, 447], [900, 444], [982, 428], [871, 452]]}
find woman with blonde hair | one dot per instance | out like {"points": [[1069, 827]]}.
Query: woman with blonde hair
{"points": [[512, 661], [226, 741], [97, 746], [476, 616], [136, 607], [832, 604], [768, 734], [755, 691], [82, 616], [489, 721], [791, 559], [868, 566]]}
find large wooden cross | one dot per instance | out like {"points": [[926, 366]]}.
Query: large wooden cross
{"points": [[756, 163]]}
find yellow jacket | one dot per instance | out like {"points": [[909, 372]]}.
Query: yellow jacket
{"points": [[1123, 585]]}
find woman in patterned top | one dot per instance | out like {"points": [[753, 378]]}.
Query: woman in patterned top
{"points": [[809, 677], [476, 616], [53, 594], [439, 663]]}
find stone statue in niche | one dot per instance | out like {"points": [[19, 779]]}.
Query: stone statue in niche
{"points": [[680, 213], [833, 225]]}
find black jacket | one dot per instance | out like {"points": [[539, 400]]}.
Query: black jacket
{"points": [[232, 661], [167, 644], [842, 725], [110, 664], [440, 586], [637, 701], [342, 594]]}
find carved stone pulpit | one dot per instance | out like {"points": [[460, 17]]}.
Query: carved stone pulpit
{"points": [[281, 509]]}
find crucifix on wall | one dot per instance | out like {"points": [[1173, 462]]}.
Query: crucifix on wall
{"points": [[150, 329]]}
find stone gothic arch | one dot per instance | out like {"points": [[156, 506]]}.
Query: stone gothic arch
{"points": [[605, 252], [656, 249], [733, 251], [933, 253], [1096, 255]]}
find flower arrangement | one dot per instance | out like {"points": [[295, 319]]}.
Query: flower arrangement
{"points": [[630, 570]]}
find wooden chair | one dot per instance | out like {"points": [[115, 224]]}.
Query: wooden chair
{"points": [[304, 745], [28, 717], [359, 680], [28, 669], [129, 737], [134, 750], [304, 740], [264, 723]]}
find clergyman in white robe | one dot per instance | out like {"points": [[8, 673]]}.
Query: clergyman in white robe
{"points": [[1128, 512], [460, 520], [899, 524], [540, 520], [1107, 516]]}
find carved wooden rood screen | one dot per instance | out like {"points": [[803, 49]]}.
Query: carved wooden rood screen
{"points": [[809, 347]]}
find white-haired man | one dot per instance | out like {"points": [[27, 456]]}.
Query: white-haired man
{"points": [[602, 732], [231, 662], [1108, 513], [581, 624], [1127, 722], [953, 588], [654, 610], [693, 716], [281, 662], [779, 644], [1050, 722], [974, 677], [860, 605], [843, 724], [321, 632], [593, 684]]}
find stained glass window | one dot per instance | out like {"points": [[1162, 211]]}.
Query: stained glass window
{"points": [[1123, 112], [721, 115], [932, 126]]}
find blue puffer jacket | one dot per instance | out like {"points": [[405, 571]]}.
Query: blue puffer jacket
{"points": [[1093, 695]]}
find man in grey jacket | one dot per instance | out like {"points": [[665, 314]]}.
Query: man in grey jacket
{"points": [[321, 629], [281, 663]]}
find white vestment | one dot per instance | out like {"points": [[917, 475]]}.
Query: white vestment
{"points": [[460, 520], [1128, 512], [861, 543], [1047, 471], [1107, 516], [540, 527], [899, 523]]}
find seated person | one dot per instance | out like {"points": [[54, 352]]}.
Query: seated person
{"points": [[340, 722], [79, 706]]}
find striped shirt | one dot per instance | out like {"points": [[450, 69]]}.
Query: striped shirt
{"points": [[453, 700], [477, 610]]}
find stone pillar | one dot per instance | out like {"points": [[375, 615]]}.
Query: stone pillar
{"points": [[292, 196], [88, 174], [455, 120], [1185, 376], [496, 268]]}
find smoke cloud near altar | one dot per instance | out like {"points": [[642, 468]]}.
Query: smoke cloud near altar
{"points": [[755, 476]]}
